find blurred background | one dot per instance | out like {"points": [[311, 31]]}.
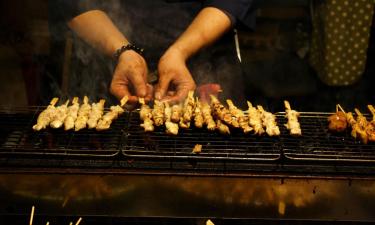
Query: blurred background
{"points": [[37, 62]]}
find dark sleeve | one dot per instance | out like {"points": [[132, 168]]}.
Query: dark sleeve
{"points": [[66, 10], [237, 10]]}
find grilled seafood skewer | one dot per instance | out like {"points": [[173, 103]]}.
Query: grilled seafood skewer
{"points": [[292, 124], [146, 116], [269, 121], [58, 118], [97, 110], [106, 121], [83, 115], [171, 127], [45, 116], [72, 114], [255, 119], [239, 117], [208, 119]]}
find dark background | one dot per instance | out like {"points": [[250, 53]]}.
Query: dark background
{"points": [[34, 68]]}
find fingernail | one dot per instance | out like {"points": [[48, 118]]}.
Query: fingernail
{"points": [[158, 95]]}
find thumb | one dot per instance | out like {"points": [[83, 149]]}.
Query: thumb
{"points": [[162, 87], [139, 84]]}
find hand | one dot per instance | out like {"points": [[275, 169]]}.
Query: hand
{"points": [[130, 77], [174, 77]]}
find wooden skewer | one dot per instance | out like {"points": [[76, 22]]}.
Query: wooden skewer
{"points": [[372, 110], [78, 221], [32, 215], [338, 106], [124, 100]]}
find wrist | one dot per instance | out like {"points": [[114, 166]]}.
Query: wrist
{"points": [[127, 48], [178, 52]]}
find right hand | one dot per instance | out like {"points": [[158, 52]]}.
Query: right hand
{"points": [[130, 77]]}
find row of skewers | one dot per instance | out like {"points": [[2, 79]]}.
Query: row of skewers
{"points": [[78, 117], [361, 128], [214, 116]]}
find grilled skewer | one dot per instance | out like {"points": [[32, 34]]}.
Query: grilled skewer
{"points": [[255, 119], [83, 115], [269, 121], [171, 127], [97, 110], [337, 121], [58, 118], [188, 111], [207, 116], [222, 127], [198, 115], [72, 114], [222, 113], [176, 113], [358, 126], [293, 124], [370, 129], [238, 116], [145, 115], [106, 121], [158, 113], [45, 116]]}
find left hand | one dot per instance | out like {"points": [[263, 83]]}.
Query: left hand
{"points": [[174, 77]]}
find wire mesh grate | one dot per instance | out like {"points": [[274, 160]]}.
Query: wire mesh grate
{"points": [[236, 146], [319, 144], [17, 137]]}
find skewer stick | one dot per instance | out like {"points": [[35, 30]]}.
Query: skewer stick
{"points": [[78, 221], [372, 110], [287, 105], [338, 106], [358, 112], [124, 100], [32, 213]]}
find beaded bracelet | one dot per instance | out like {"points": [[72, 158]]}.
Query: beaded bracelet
{"points": [[124, 48]]}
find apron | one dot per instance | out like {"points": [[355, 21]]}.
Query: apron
{"points": [[340, 38]]}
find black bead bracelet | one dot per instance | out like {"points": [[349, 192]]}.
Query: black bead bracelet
{"points": [[125, 48]]}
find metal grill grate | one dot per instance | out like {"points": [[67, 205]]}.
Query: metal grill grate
{"points": [[236, 146], [319, 144], [18, 138]]}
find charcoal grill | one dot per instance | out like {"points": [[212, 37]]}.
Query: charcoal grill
{"points": [[214, 183]]}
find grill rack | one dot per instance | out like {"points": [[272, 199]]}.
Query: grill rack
{"points": [[127, 139]]}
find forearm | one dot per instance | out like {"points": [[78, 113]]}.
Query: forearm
{"points": [[210, 24], [97, 29]]}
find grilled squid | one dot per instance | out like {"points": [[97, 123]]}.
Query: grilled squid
{"points": [[58, 118], [83, 115], [72, 114], [97, 110], [255, 119], [145, 115], [292, 125], [170, 127], [239, 117], [269, 121], [46, 115], [115, 111]]}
